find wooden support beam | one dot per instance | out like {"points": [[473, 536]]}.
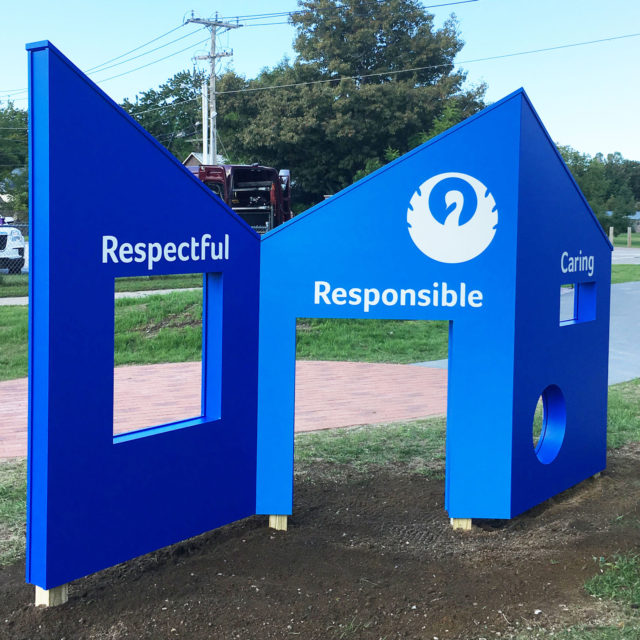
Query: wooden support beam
{"points": [[461, 524], [52, 597], [278, 522]]}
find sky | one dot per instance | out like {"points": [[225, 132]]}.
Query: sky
{"points": [[587, 96]]}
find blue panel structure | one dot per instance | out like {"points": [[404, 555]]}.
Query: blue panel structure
{"points": [[477, 227], [108, 201]]}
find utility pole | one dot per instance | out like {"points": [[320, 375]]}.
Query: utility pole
{"points": [[213, 26]]}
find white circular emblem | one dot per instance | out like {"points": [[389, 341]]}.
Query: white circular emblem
{"points": [[452, 240]]}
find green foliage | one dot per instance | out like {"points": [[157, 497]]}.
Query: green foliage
{"points": [[611, 184], [618, 579], [179, 129], [13, 159], [333, 131]]}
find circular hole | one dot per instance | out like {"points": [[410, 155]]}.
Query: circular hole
{"points": [[549, 423]]}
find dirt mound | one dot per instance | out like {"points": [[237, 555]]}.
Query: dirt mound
{"points": [[366, 556]]}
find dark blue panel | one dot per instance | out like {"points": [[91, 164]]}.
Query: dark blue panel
{"points": [[99, 179], [556, 226]]}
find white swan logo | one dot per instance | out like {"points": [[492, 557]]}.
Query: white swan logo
{"points": [[451, 241]]}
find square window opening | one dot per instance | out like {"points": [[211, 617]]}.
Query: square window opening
{"points": [[159, 359], [577, 303]]}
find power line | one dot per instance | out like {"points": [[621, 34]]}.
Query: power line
{"points": [[102, 67], [387, 73], [282, 14], [126, 53], [434, 66], [175, 53], [146, 53]]}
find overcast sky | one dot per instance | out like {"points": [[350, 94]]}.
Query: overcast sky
{"points": [[587, 96]]}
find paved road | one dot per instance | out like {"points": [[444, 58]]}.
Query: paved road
{"points": [[624, 341], [623, 255]]}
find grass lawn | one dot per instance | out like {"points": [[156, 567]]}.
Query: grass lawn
{"points": [[18, 286], [625, 273], [167, 328], [621, 240]]}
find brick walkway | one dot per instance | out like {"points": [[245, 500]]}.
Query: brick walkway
{"points": [[328, 395]]}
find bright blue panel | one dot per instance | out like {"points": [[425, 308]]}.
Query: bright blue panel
{"points": [[99, 178], [378, 234], [559, 242]]}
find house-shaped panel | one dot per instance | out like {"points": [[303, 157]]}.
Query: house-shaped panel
{"points": [[439, 234]]}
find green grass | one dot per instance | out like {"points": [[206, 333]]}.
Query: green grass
{"points": [[18, 286], [625, 273], [618, 579], [14, 286], [623, 414], [168, 328], [13, 342], [162, 328], [418, 446], [623, 632], [13, 505], [371, 340], [621, 240]]}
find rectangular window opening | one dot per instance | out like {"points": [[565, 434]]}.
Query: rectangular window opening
{"points": [[347, 375], [158, 352], [577, 303]]}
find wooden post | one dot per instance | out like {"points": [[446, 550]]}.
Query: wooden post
{"points": [[279, 523], [611, 235], [461, 524], [52, 597], [629, 237]]}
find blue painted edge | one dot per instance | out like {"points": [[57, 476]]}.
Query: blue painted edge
{"points": [[46, 44], [161, 428]]}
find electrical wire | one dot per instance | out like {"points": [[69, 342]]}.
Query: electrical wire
{"points": [[175, 53], [387, 73], [282, 14], [146, 53], [126, 53]]}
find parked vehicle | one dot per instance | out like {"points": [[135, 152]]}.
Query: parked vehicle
{"points": [[11, 246], [261, 196]]}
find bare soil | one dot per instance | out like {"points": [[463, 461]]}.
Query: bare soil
{"points": [[366, 556]]}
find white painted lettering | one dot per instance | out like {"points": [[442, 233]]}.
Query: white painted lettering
{"points": [[322, 293], [339, 296], [109, 246]]}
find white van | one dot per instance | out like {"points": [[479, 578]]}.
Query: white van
{"points": [[11, 246]]}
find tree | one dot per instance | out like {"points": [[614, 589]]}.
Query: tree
{"points": [[611, 185], [13, 139], [172, 113], [351, 105]]}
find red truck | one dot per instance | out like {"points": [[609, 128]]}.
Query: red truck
{"points": [[259, 195]]}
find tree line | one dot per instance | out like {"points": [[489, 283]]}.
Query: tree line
{"points": [[369, 82]]}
